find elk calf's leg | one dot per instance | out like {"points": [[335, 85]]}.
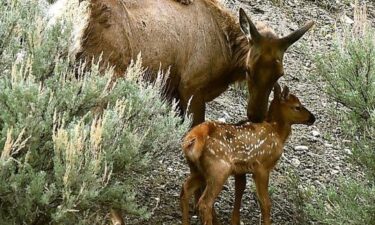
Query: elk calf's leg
{"points": [[261, 179], [192, 183], [116, 217], [205, 205], [240, 185], [197, 195], [212, 190]]}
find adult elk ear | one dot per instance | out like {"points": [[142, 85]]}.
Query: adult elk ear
{"points": [[285, 93], [295, 36], [248, 27], [276, 91]]}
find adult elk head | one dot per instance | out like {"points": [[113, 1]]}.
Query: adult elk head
{"points": [[264, 63]]}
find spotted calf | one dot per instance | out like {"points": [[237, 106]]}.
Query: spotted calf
{"points": [[215, 150]]}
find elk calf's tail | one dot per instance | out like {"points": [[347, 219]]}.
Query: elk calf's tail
{"points": [[194, 142]]}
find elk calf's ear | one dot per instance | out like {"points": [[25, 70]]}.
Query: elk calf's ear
{"points": [[248, 27], [285, 93]]}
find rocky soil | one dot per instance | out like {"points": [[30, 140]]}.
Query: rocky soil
{"points": [[315, 155]]}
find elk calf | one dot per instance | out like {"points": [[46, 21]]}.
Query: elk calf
{"points": [[215, 150]]}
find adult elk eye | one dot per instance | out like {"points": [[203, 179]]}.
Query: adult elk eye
{"points": [[298, 108]]}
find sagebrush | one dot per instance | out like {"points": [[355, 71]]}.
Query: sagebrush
{"points": [[349, 71], [73, 142]]}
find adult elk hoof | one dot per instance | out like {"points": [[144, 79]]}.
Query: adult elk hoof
{"points": [[185, 2]]}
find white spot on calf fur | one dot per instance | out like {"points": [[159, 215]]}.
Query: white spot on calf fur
{"points": [[225, 162], [212, 151]]}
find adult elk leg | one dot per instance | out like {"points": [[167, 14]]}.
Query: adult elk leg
{"points": [[261, 178], [240, 185], [193, 103]]}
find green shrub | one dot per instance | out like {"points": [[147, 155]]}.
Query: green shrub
{"points": [[350, 202], [73, 143], [296, 198], [349, 71]]}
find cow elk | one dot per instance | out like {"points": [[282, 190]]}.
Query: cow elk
{"points": [[203, 46], [215, 150]]}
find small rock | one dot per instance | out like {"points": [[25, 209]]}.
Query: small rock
{"points": [[347, 20], [334, 171], [222, 119], [295, 162], [301, 148], [317, 183], [328, 145], [348, 151], [313, 155], [315, 133], [322, 178]]}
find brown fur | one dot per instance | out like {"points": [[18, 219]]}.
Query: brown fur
{"points": [[202, 44], [220, 150], [116, 217], [193, 144]]}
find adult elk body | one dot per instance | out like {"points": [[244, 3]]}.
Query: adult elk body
{"points": [[215, 151], [201, 43]]}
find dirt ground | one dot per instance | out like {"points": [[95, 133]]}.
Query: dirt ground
{"points": [[326, 156]]}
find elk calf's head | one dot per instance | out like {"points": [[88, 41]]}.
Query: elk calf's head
{"points": [[264, 62], [287, 109]]}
